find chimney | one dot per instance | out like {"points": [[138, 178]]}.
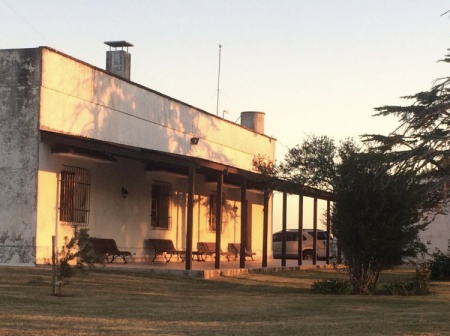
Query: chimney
{"points": [[118, 61], [253, 120]]}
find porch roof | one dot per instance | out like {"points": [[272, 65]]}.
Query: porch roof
{"points": [[178, 164]]}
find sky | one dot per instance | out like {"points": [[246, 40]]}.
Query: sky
{"points": [[312, 66]]}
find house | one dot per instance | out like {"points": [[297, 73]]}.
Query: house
{"points": [[85, 147], [437, 235]]}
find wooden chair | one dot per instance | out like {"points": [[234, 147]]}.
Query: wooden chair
{"points": [[235, 248], [165, 248], [210, 250], [107, 250]]}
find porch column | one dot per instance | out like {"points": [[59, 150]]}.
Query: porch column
{"points": [[328, 230], [300, 229], [315, 232], [265, 227], [243, 223], [190, 217], [284, 226], [219, 203]]}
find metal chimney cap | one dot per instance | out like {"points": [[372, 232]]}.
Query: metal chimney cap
{"points": [[119, 44]]}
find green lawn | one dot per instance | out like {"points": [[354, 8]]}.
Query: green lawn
{"points": [[120, 303]]}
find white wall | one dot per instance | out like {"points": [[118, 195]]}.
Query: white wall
{"points": [[437, 236], [78, 99]]}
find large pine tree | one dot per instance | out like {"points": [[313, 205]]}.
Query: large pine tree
{"points": [[421, 141]]}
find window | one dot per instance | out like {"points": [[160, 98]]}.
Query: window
{"points": [[160, 207], [290, 236], [213, 211], [74, 195]]}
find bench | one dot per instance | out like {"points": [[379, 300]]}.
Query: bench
{"points": [[210, 250], [200, 254], [106, 250], [165, 248], [235, 248]]}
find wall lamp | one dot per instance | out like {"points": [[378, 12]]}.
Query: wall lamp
{"points": [[124, 192], [194, 140]]}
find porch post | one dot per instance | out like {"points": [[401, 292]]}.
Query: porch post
{"points": [[328, 230], [243, 223], [218, 218], [315, 232], [190, 217], [265, 227], [300, 229], [284, 226]]}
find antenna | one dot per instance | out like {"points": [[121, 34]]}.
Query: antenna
{"points": [[218, 81]]}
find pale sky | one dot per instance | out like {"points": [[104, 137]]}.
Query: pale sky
{"points": [[314, 67]]}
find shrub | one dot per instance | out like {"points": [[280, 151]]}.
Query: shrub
{"points": [[37, 280], [418, 285], [332, 286], [75, 252], [440, 266]]}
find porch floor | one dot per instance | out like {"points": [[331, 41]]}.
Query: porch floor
{"points": [[206, 269]]}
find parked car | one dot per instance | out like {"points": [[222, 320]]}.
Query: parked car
{"points": [[292, 244], [321, 234]]}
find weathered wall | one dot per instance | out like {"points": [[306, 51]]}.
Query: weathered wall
{"points": [[78, 99], [19, 138]]}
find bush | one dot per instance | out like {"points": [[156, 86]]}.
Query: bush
{"points": [[440, 266], [75, 252], [332, 286], [418, 285], [37, 280]]}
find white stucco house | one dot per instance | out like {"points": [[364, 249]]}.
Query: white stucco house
{"points": [[86, 147], [437, 235]]}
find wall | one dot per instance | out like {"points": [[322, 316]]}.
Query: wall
{"points": [[78, 99], [437, 235], [19, 138]]}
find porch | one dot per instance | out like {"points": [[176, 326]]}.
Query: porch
{"points": [[207, 270], [200, 188]]}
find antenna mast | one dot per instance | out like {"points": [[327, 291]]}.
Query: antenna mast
{"points": [[218, 81]]}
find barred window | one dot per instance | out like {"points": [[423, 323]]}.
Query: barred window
{"points": [[213, 211], [160, 207], [74, 196]]}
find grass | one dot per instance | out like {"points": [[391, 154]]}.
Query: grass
{"points": [[124, 303]]}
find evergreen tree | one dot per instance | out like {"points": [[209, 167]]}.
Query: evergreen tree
{"points": [[421, 141], [378, 211]]}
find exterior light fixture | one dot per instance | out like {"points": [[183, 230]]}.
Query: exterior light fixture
{"points": [[124, 192], [194, 140]]}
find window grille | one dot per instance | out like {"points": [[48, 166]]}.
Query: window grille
{"points": [[74, 196], [160, 207], [213, 211]]}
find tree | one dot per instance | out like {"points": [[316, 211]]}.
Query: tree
{"points": [[421, 140], [312, 163], [377, 214], [376, 217], [75, 252]]}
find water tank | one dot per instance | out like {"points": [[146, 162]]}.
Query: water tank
{"points": [[253, 120]]}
